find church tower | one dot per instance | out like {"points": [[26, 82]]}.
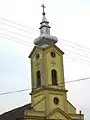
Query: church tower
{"points": [[48, 95]]}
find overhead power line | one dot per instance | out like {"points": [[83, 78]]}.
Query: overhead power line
{"points": [[20, 41], [5, 93], [11, 92], [76, 53], [76, 48], [17, 24], [30, 38], [83, 47], [82, 79], [28, 45], [36, 30], [16, 33], [15, 38], [76, 60], [16, 27]]}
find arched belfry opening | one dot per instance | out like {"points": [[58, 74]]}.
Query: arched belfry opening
{"points": [[54, 77], [38, 79]]}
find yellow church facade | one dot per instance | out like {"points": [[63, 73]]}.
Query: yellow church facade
{"points": [[48, 95]]}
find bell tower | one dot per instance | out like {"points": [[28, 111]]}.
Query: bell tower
{"points": [[48, 95], [47, 70]]}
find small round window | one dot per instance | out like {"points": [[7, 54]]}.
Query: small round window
{"points": [[37, 56], [53, 54], [56, 100]]}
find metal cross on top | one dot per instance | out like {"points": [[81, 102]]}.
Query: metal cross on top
{"points": [[43, 8]]}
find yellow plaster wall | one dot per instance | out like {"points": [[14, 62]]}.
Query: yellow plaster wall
{"points": [[58, 116], [40, 106], [36, 65], [51, 102], [45, 66], [58, 66], [45, 56], [39, 101], [62, 101]]}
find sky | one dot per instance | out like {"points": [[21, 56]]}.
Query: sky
{"points": [[19, 23]]}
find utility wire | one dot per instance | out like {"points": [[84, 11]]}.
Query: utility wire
{"points": [[15, 38], [16, 33], [36, 30], [18, 24], [28, 45], [5, 93], [76, 60], [76, 47], [60, 38], [16, 27], [32, 38], [20, 42], [74, 44], [29, 38], [82, 79], [29, 42], [77, 53]]}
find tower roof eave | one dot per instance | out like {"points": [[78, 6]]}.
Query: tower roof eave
{"points": [[44, 49]]}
